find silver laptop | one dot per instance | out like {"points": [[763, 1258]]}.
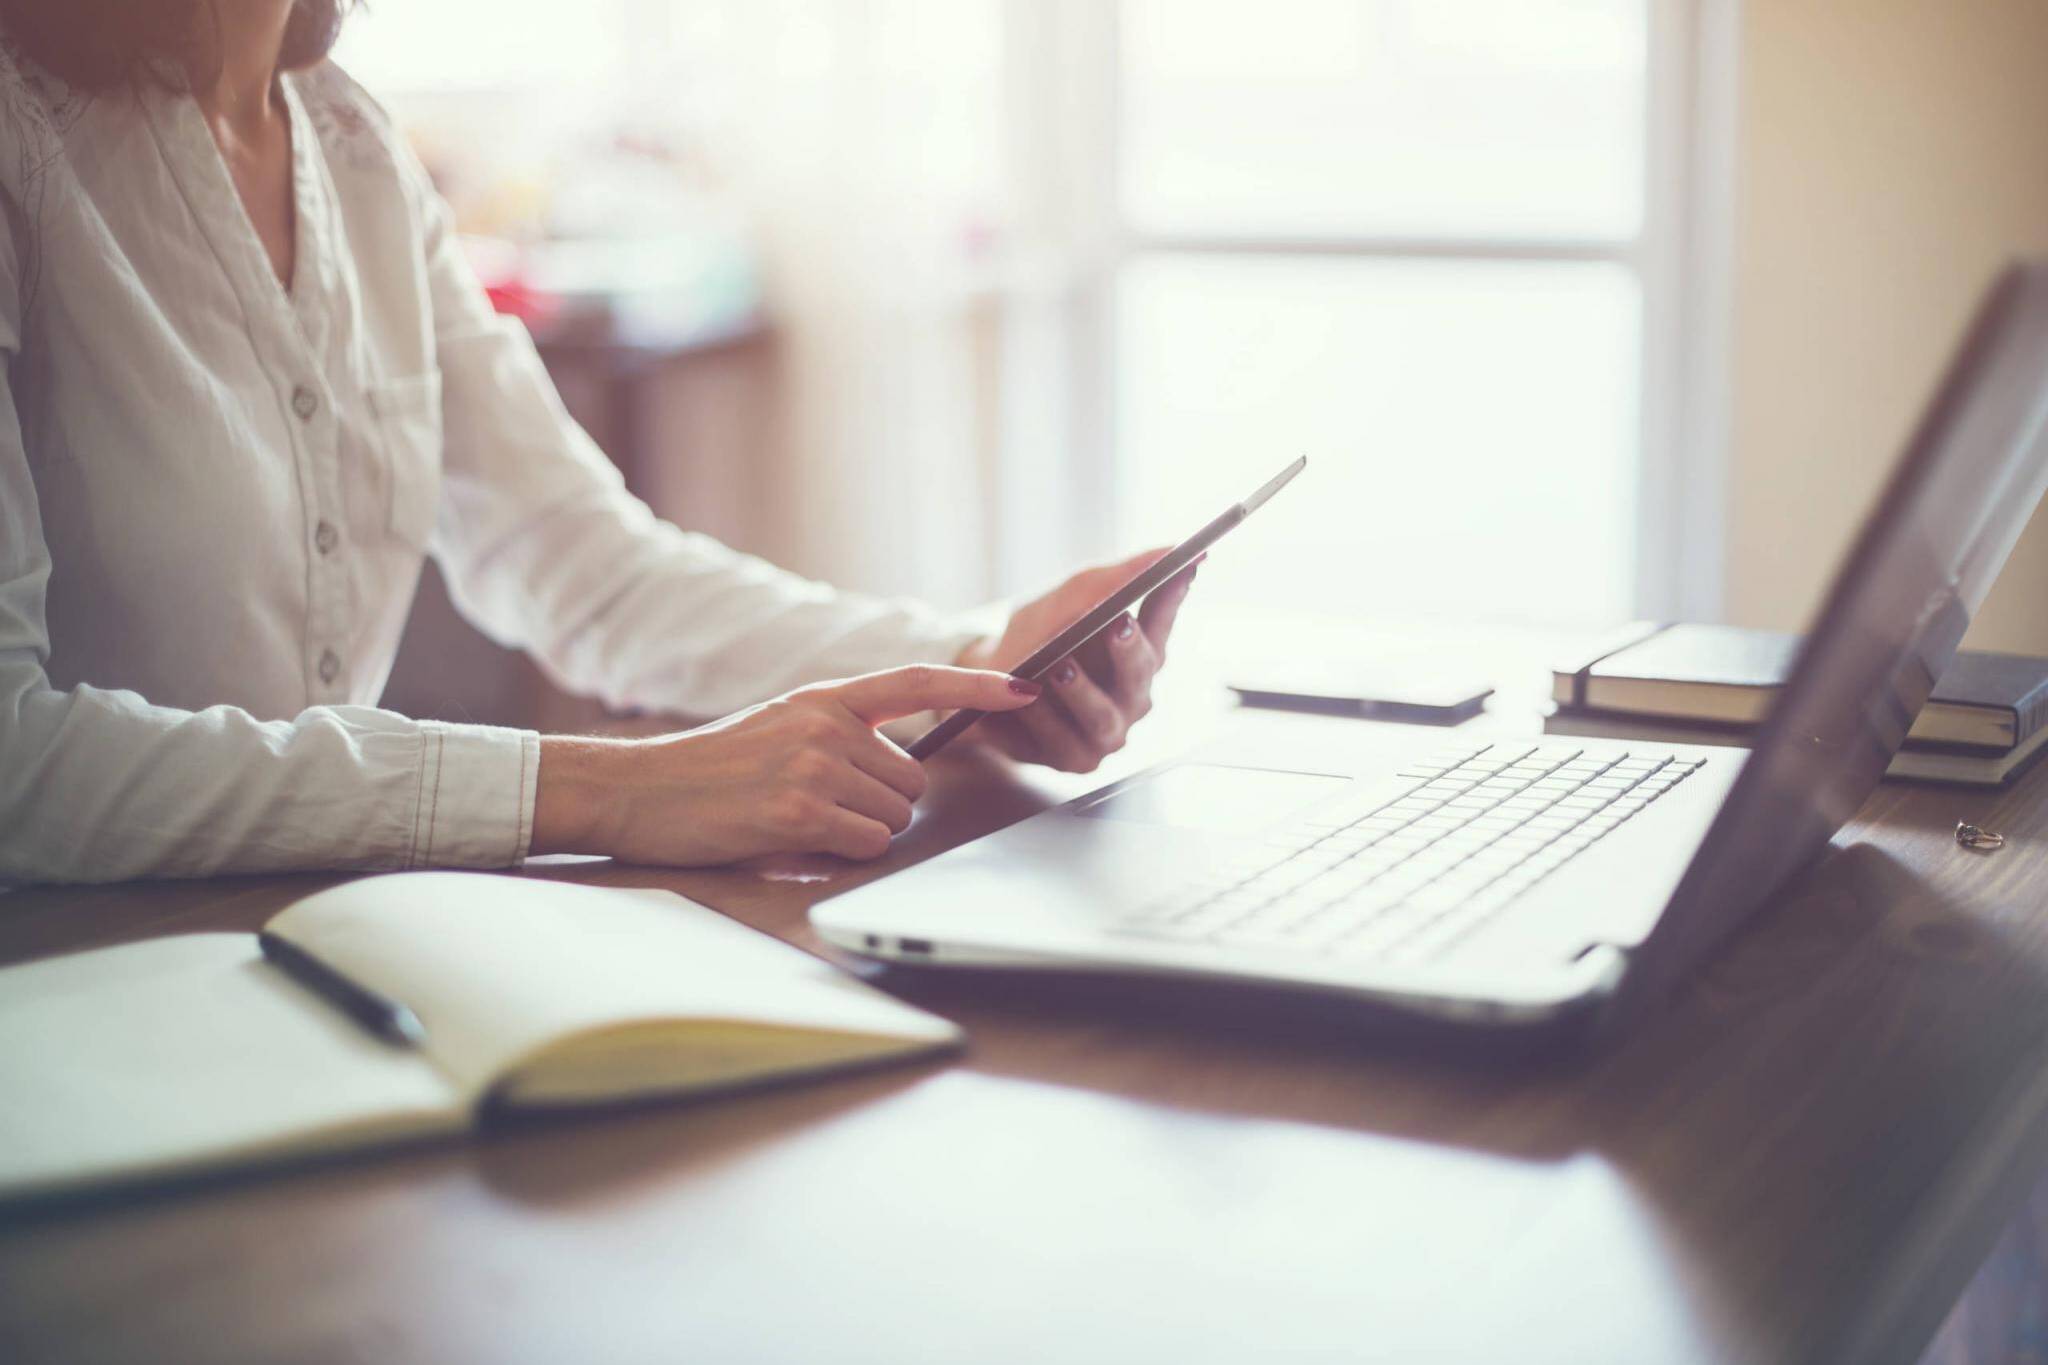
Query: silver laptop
{"points": [[1500, 881]]}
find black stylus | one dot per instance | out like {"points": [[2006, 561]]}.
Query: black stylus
{"points": [[380, 1014]]}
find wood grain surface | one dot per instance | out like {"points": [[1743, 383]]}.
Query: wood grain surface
{"points": [[1803, 1157]]}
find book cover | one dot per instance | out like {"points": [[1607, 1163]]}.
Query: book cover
{"points": [[1727, 675]]}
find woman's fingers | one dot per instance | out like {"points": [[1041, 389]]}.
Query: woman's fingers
{"points": [[889, 695], [884, 760], [1133, 664], [1094, 715], [852, 835], [856, 791]]}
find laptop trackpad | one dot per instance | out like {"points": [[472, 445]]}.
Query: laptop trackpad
{"points": [[1212, 796]]}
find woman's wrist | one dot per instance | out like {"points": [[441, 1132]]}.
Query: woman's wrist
{"points": [[575, 794]]}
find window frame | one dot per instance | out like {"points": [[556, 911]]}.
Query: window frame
{"points": [[1064, 95]]}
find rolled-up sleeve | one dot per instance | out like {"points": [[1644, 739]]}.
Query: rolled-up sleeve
{"points": [[476, 785]]}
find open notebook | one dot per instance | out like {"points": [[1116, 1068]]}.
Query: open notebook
{"points": [[184, 1054]]}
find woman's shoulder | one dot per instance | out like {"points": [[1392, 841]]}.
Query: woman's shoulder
{"points": [[354, 129], [36, 111], [36, 107]]}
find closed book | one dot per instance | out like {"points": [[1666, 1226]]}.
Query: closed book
{"points": [[1727, 675], [1918, 760]]}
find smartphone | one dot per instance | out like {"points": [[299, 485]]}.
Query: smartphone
{"points": [[1109, 608]]}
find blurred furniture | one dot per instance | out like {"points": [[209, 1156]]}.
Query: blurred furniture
{"points": [[1802, 1158], [688, 419], [624, 373]]}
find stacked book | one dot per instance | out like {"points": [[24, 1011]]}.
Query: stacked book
{"points": [[1691, 684]]}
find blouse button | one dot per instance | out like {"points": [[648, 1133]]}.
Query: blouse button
{"points": [[325, 537], [330, 666], [305, 402]]}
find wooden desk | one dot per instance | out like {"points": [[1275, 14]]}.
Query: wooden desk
{"points": [[1802, 1160]]}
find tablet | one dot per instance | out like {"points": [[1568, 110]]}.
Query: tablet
{"points": [[1109, 608]]}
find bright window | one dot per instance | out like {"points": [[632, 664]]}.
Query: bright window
{"points": [[1405, 238]]}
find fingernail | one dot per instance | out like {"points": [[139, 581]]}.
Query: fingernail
{"points": [[1024, 687], [1065, 673], [1124, 628]]}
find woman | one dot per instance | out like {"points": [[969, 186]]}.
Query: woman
{"points": [[251, 384]]}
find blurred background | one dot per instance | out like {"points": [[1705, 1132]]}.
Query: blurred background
{"points": [[1584, 310]]}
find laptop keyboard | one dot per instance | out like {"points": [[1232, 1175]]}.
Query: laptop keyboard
{"points": [[1409, 877]]}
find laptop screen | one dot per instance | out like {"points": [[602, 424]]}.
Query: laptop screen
{"points": [[1973, 473]]}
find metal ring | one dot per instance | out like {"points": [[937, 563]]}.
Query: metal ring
{"points": [[1970, 836]]}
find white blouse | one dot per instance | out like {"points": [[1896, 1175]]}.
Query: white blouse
{"points": [[216, 495]]}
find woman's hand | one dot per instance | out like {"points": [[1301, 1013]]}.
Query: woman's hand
{"points": [[1097, 694], [804, 773]]}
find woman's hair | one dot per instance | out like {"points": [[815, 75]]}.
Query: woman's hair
{"points": [[100, 44]]}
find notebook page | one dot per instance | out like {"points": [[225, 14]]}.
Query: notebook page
{"points": [[184, 1053], [499, 967]]}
